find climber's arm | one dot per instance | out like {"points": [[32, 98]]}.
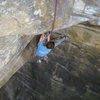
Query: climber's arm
{"points": [[49, 37], [42, 37]]}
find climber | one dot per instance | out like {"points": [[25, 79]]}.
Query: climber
{"points": [[46, 44]]}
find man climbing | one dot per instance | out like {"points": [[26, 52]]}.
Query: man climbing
{"points": [[46, 44]]}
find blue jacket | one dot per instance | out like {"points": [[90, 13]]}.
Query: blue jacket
{"points": [[41, 49]]}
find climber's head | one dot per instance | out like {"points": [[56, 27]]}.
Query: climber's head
{"points": [[50, 45]]}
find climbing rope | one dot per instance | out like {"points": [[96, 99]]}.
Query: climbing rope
{"points": [[55, 12]]}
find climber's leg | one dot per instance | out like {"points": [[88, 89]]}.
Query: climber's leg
{"points": [[59, 40]]}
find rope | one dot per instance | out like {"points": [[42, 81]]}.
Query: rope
{"points": [[55, 12]]}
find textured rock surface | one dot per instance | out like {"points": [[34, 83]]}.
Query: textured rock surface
{"points": [[11, 58], [72, 73], [87, 34], [35, 16], [31, 17]]}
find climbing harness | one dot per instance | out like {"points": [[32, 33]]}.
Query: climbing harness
{"points": [[55, 13]]}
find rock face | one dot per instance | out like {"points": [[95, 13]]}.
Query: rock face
{"points": [[20, 20], [36, 16], [85, 34], [72, 73]]}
